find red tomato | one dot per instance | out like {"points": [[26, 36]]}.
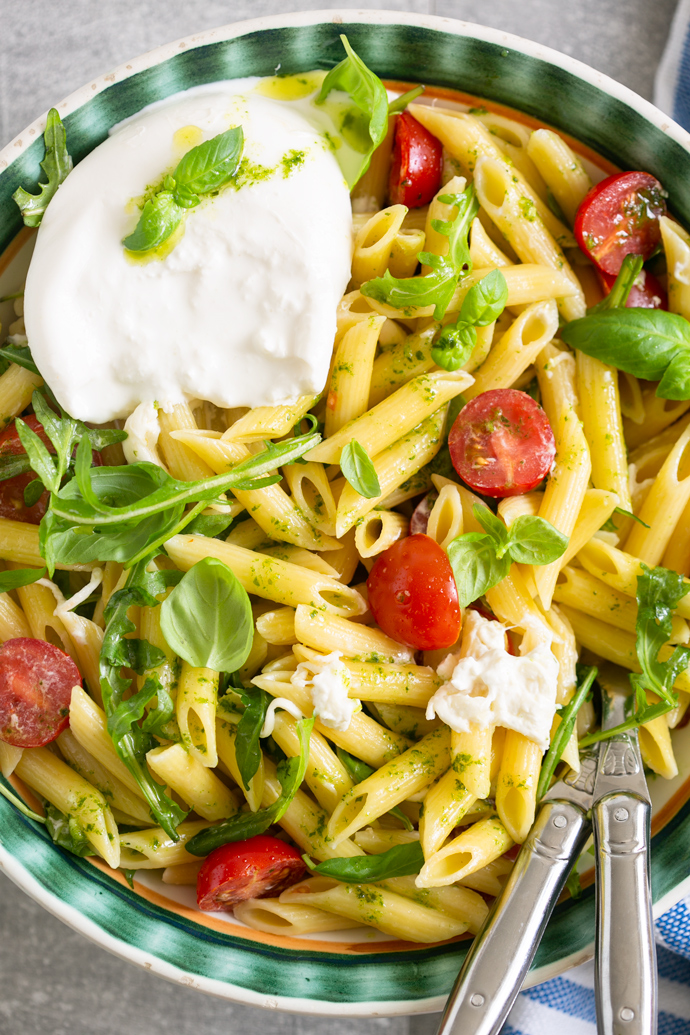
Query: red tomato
{"points": [[646, 293], [12, 489], [254, 868], [36, 681], [413, 596], [501, 443], [619, 217], [415, 175]]}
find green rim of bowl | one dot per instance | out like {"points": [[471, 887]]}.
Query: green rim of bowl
{"points": [[556, 89]]}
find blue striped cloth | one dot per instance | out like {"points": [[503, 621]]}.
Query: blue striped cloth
{"points": [[565, 1005]]}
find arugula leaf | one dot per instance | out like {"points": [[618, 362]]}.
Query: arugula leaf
{"points": [[399, 861], [648, 343], [210, 165], [480, 561], [568, 716], [359, 771], [21, 355], [211, 525], [658, 594], [358, 469], [207, 619], [401, 102], [67, 832], [438, 287], [57, 164], [247, 750], [203, 170], [246, 824], [368, 94], [157, 720], [19, 804], [129, 739]]}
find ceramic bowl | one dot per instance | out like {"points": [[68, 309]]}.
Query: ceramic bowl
{"points": [[157, 926]]}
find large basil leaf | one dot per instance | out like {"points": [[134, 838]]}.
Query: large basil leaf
{"points": [[475, 565], [210, 165], [400, 861]]}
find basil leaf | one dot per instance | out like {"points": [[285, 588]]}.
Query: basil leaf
{"points": [[56, 164], [400, 103], [358, 469], [33, 492], [486, 300], [67, 832], [454, 346], [535, 541], [359, 771], [368, 94], [400, 861], [129, 739], [642, 342], [10, 580], [247, 750], [211, 525], [494, 527], [568, 717], [246, 824], [21, 355], [160, 217], [475, 565], [211, 165], [207, 619]]}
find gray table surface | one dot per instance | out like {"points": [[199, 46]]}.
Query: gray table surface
{"points": [[51, 979]]}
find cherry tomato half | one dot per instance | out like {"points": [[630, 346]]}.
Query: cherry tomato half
{"points": [[501, 443], [254, 868], [415, 175], [413, 596], [646, 292], [619, 217], [12, 489], [36, 681]]}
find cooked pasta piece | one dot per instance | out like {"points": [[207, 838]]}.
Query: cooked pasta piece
{"points": [[676, 243], [519, 347], [195, 710], [195, 784], [560, 168], [516, 789], [470, 851], [152, 848], [275, 917], [378, 530]]}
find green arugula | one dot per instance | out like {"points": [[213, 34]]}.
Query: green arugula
{"points": [[368, 95], [124, 713], [648, 343], [658, 594], [568, 717], [401, 102], [359, 471], [202, 171], [359, 771], [610, 525], [211, 525], [125, 513], [438, 287], [21, 355], [207, 619], [480, 560], [247, 824], [19, 804], [56, 164], [247, 748], [10, 580], [67, 832], [399, 861], [483, 303]]}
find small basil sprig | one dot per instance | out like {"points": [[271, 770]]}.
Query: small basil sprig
{"points": [[659, 592], [124, 714], [207, 619], [568, 717], [359, 771], [359, 471], [290, 774], [57, 164], [648, 343], [399, 861], [202, 171], [247, 748], [368, 94], [483, 303], [481, 560], [438, 287]]}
